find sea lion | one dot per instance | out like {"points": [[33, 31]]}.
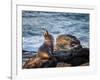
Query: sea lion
{"points": [[46, 49], [44, 56], [66, 47], [67, 42]]}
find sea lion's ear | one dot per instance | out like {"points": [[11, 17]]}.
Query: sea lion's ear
{"points": [[46, 33]]}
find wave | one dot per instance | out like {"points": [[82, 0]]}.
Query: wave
{"points": [[57, 23]]}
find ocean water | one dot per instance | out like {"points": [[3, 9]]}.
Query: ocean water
{"points": [[57, 23]]}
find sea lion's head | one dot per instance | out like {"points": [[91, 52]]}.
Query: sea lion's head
{"points": [[47, 36], [67, 42]]}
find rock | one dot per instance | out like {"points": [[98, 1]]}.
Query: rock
{"points": [[81, 57], [62, 64], [50, 63], [37, 62], [83, 52], [68, 52], [60, 59], [85, 64], [73, 57], [63, 56]]}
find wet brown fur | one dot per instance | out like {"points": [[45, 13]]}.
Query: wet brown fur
{"points": [[44, 58], [67, 42], [46, 49]]}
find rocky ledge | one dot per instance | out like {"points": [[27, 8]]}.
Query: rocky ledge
{"points": [[68, 52]]}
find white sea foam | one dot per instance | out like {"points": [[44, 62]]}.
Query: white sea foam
{"points": [[32, 43]]}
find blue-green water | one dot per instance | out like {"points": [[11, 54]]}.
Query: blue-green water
{"points": [[57, 23]]}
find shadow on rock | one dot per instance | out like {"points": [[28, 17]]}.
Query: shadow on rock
{"points": [[74, 58]]}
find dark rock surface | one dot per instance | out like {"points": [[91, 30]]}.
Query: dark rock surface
{"points": [[60, 59], [74, 58]]}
